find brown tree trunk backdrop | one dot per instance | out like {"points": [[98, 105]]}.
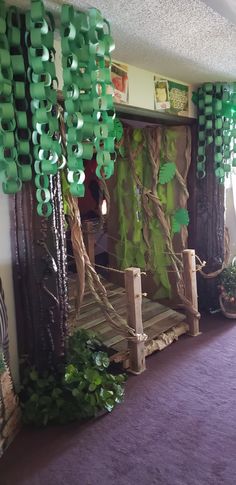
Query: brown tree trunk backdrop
{"points": [[40, 276], [206, 231]]}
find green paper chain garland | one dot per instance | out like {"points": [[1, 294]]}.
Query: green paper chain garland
{"points": [[8, 154], [22, 132], [42, 77], [88, 92], [89, 113], [217, 125]]}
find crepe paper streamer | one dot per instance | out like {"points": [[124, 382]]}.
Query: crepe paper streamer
{"points": [[217, 125], [42, 78], [89, 112]]}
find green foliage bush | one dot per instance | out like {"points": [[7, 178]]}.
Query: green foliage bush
{"points": [[2, 364], [228, 282], [79, 389]]}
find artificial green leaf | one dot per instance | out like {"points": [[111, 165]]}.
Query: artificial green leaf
{"points": [[175, 227], [109, 405], [167, 172], [34, 397], [92, 399], [56, 392], [98, 380], [181, 216], [119, 390], [118, 129], [33, 375], [92, 386], [2, 363], [76, 390], [102, 360]]}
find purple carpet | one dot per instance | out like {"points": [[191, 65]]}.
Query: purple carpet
{"points": [[177, 425]]}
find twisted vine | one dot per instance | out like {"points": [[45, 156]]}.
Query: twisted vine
{"points": [[156, 209]]}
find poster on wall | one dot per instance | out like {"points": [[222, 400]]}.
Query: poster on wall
{"points": [[162, 95], [171, 96], [119, 77]]}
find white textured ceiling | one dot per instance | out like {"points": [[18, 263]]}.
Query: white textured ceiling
{"points": [[182, 39]]}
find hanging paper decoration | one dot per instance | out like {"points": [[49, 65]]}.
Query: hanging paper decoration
{"points": [[118, 130], [43, 81], [31, 144], [22, 132], [88, 94], [8, 153], [217, 125]]}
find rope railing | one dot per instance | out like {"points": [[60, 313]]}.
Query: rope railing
{"points": [[95, 285]]}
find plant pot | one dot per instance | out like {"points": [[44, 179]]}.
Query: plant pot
{"points": [[228, 309]]}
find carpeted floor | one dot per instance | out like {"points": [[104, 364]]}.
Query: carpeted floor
{"points": [[177, 425]]}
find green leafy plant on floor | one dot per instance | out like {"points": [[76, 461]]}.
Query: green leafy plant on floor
{"points": [[228, 282], [2, 364], [80, 389]]}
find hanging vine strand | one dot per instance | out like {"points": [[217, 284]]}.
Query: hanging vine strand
{"points": [[148, 196]]}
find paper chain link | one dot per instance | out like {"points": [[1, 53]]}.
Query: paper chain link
{"points": [[216, 126], [22, 132], [88, 94], [8, 151], [43, 83]]}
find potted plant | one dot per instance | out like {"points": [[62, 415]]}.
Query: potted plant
{"points": [[227, 297]]}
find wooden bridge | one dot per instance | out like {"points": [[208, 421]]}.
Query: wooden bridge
{"points": [[160, 325]]}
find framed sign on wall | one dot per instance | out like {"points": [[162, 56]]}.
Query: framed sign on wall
{"points": [[120, 80], [171, 96]]}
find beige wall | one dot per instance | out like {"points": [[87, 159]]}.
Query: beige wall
{"points": [[141, 89], [6, 275], [141, 84]]}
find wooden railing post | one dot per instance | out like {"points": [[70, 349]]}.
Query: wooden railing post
{"points": [[190, 284], [89, 240], [134, 307]]}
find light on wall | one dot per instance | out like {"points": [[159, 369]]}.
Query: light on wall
{"points": [[104, 207]]}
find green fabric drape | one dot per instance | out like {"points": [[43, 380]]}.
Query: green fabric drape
{"points": [[141, 239]]}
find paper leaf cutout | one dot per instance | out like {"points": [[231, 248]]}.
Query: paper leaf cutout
{"points": [[118, 129], [167, 172], [181, 217], [175, 226]]}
